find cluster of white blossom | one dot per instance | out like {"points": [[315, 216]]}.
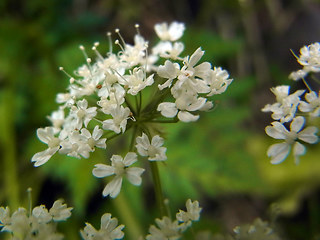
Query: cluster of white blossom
{"points": [[295, 113], [40, 224], [168, 229], [105, 99]]}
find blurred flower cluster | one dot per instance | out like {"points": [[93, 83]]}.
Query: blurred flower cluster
{"points": [[296, 113], [39, 224]]}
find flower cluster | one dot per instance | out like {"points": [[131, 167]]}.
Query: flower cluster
{"points": [[106, 98], [40, 224], [295, 113], [168, 229]]}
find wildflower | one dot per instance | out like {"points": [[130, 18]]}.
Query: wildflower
{"points": [[40, 225], [278, 152], [82, 114], [119, 121], [286, 106], [192, 213], [312, 105], [93, 140], [119, 167], [46, 135], [108, 229], [310, 60], [152, 150], [171, 33], [168, 229], [218, 81]]}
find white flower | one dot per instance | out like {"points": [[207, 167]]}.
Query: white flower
{"points": [[192, 213], [167, 230], [312, 105], [182, 108], [310, 57], [171, 33], [109, 229], [286, 106], [278, 152], [119, 167], [60, 211], [41, 214], [299, 74], [218, 81], [82, 113], [119, 119], [152, 150], [137, 81], [46, 135], [57, 119], [75, 146], [39, 225], [168, 49], [170, 71], [93, 140]]}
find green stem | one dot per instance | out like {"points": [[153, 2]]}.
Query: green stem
{"points": [[158, 187], [133, 227], [8, 140]]}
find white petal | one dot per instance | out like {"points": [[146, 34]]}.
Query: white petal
{"points": [[130, 158], [168, 109], [133, 175], [185, 116], [102, 170], [274, 133], [278, 152], [297, 124], [157, 141], [113, 188], [309, 135]]}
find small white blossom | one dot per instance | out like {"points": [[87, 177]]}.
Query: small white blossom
{"points": [[109, 229], [119, 119], [120, 168], [154, 150], [82, 114], [286, 106], [94, 139], [218, 81], [192, 213], [168, 230], [46, 135], [312, 105], [278, 152], [40, 225], [172, 32], [60, 211]]}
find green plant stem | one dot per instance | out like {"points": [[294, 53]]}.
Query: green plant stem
{"points": [[8, 140], [157, 187], [175, 120], [133, 227]]}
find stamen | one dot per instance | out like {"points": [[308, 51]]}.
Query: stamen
{"points": [[110, 42], [121, 38], [137, 28], [117, 43], [145, 71], [119, 74], [29, 190], [94, 48], [67, 74], [88, 60]]}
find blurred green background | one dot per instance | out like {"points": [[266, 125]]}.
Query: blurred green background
{"points": [[219, 160]]}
